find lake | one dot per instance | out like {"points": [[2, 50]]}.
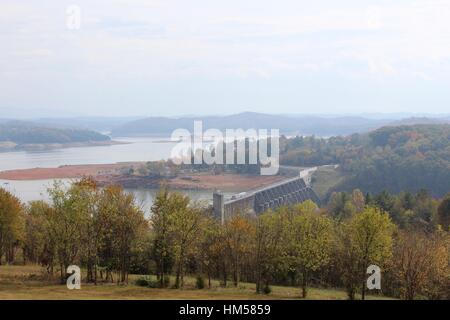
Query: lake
{"points": [[136, 149]]}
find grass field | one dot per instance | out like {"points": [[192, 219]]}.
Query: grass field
{"points": [[28, 282], [325, 178]]}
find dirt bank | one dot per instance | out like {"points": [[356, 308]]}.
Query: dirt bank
{"points": [[75, 171], [107, 174]]}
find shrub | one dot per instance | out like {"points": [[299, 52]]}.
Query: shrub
{"points": [[200, 283], [166, 282], [143, 281], [147, 281], [267, 289], [154, 284]]}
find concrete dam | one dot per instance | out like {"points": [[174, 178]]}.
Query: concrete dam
{"points": [[287, 192]]}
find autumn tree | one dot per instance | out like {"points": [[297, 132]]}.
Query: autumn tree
{"points": [[11, 225], [363, 240], [186, 227], [177, 226], [128, 227], [64, 223], [161, 220], [85, 200], [92, 227], [358, 200], [310, 241], [38, 247], [239, 235], [444, 213], [421, 263], [210, 249], [270, 232], [342, 206]]}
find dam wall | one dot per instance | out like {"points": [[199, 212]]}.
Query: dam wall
{"points": [[287, 192]]}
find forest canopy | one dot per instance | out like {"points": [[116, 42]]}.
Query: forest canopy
{"points": [[401, 158], [21, 132]]}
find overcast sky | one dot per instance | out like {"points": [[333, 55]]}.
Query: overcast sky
{"points": [[174, 57]]}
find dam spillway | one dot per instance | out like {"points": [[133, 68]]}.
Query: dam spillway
{"points": [[287, 192]]}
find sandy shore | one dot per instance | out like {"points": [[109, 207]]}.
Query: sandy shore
{"points": [[73, 171], [112, 174]]}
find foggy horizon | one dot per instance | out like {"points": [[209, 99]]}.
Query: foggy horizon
{"points": [[172, 58], [368, 115]]}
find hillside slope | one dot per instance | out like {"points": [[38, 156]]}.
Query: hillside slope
{"points": [[15, 134], [393, 158]]}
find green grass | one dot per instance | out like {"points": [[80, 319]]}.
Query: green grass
{"points": [[30, 282], [326, 178]]}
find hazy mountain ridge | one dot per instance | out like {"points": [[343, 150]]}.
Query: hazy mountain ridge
{"points": [[102, 124], [288, 124]]}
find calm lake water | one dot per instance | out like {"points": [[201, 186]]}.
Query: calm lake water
{"points": [[136, 149]]}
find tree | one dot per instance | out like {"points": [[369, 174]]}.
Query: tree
{"points": [[311, 239], [161, 221], [341, 205], [210, 250], [92, 227], [396, 159], [421, 263], [128, 227], [444, 213], [86, 201], [385, 201], [364, 240], [11, 225], [239, 234], [358, 200], [187, 224], [64, 223], [270, 229], [37, 245]]}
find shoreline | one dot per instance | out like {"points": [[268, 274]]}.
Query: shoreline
{"points": [[108, 174], [6, 146], [62, 172]]}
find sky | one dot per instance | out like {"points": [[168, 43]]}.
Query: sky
{"points": [[183, 57]]}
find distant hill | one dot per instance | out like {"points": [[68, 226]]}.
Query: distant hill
{"points": [[102, 124], [287, 124], [22, 132], [420, 120], [290, 125]]}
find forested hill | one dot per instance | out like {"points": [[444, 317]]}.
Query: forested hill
{"points": [[393, 158], [20, 132]]}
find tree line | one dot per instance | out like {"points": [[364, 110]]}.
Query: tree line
{"points": [[103, 231], [23, 132], [393, 158]]}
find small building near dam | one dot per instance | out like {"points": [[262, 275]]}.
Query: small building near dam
{"points": [[287, 192]]}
